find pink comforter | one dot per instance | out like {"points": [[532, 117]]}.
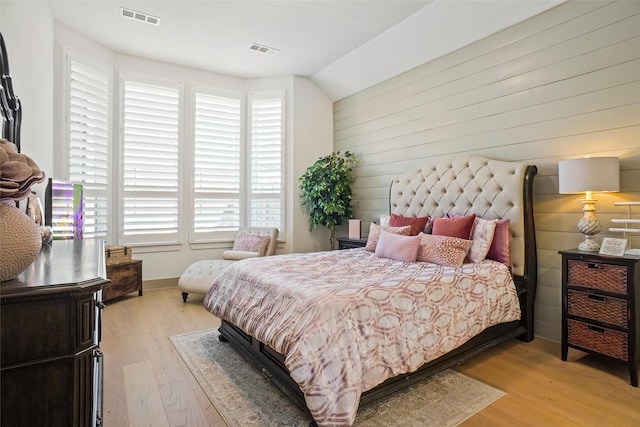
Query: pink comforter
{"points": [[348, 320]]}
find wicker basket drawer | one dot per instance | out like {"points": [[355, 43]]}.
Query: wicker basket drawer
{"points": [[601, 340], [598, 307], [607, 277], [117, 254]]}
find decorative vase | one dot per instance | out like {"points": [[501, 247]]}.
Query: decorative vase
{"points": [[20, 242]]}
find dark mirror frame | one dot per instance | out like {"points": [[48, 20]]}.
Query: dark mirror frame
{"points": [[10, 105]]}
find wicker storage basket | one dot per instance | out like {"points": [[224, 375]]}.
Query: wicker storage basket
{"points": [[606, 309], [602, 340], [607, 277], [117, 254]]}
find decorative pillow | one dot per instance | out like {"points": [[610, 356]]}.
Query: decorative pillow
{"points": [[398, 247], [459, 226], [374, 234], [384, 220], [443, 250], [499, 250], [482, 236], [251, 242], [417, 223]]}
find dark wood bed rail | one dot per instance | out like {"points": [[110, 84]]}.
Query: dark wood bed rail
{"points": [[529, 281]]}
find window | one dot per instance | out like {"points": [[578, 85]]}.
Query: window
{"points": [[132, 185], [150, 162], [88, 119], [237, 175], [265, 154], [216, 164]]}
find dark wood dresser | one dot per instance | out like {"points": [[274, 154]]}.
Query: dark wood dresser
{"points": [[51, 366], [601, 306]]}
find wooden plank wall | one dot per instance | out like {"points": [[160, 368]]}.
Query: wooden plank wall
{"points": [[563, 84]]}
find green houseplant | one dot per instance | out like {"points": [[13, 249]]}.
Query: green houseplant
{"points": [[325, 191]]}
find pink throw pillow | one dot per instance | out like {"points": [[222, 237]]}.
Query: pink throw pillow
{"points": [[398, 247], [482, 237], [251, 242], [459, 226], [499, 250], [374, 234], [443, 250], [417, 223]]}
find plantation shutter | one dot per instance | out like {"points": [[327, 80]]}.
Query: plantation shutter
{"points": [[265, 159], [216, 166], [151, 134], [89, 103]]}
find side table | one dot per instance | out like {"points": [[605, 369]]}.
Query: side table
{"points": [[601, 305], [125, 278], [347, 243]]}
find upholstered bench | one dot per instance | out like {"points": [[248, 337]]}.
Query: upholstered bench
{"points": [[250, 242]]}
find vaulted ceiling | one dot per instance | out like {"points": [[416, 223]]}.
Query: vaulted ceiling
{"points": [[344, 45]]}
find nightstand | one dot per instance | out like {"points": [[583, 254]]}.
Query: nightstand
{"points": [[347, 243], [600, 306]]}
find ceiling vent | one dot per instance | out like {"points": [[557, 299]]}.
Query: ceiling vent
{"points": [[263, 49], [139, 16]]}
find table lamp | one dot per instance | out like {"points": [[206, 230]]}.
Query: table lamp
{"points": [[589, 175]]}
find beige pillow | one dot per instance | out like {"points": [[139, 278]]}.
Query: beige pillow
{"points": [[251, 242], [374, 234]]}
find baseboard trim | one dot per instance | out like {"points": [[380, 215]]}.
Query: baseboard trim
{"points": [[160, 283]]}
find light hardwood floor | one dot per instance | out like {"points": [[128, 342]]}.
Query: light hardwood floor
{"points": [[148, 384]]}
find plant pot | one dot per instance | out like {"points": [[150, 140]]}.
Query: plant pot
{"points": [[20, 242]]}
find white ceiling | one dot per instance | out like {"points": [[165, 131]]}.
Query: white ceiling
{"points": [[344, 45]]}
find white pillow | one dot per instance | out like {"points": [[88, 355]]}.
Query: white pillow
{"points": [[481, 236]]}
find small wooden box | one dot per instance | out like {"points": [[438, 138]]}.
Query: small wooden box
{"points": [[117, 254], [125, 278]]}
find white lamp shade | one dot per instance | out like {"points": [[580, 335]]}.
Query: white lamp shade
{"points": [[597, 174]]}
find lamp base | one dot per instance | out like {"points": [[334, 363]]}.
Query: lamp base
{"points": [[589, 244], [589, 226]]}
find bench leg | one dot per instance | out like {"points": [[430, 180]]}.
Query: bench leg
{"points": [[184, 296]]}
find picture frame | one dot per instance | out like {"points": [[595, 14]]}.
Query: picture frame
{"points": [[612, 246], [35, 211]]}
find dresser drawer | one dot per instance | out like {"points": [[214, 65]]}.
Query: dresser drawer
{"points": [[598, 307], [601, 340], [607, 277]]}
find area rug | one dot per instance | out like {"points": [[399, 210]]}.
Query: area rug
{"points": [[245, 398]]}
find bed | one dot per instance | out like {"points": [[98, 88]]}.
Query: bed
{"points": [[337, 330]]}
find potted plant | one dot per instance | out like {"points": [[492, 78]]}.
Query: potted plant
{"points": [[325, 191]]}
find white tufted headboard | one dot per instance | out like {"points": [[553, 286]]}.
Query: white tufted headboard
{"points": [[491, 189], [466, 185]]}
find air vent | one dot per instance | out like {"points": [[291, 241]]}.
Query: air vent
{"points": [[139, 16], [263, 49]]}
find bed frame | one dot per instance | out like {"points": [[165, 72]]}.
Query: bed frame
{"points": [[460, 185]]}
